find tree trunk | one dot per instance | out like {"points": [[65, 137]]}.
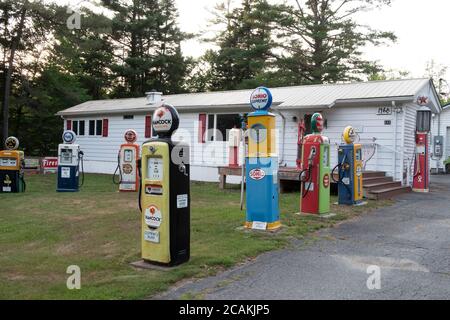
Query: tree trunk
{"points": [[14, 45]]}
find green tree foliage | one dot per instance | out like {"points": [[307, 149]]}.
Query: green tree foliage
{"points": [[23, 30], [34, 121], [245, 46], [86, 53], [147, 43], [323, 41]]}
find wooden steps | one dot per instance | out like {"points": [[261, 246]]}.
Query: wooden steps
{"points": [[388, 193], [377, 186]]}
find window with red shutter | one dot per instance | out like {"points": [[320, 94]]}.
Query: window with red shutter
{"points": [[105, 127], [148, 126], [201, 127], [69, 125]]}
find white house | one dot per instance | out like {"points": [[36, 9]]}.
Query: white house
{"points": [[441, 128], [383, 112]]}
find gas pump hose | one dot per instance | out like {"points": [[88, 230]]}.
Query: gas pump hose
{"points": [[304, 194], [340, 180], [24, 184], [82, 168], [140, 185], [117, 169]]}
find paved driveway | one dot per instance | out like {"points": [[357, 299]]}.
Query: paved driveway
{"points": [[409, 242]]}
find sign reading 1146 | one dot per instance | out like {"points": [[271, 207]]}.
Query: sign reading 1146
{"points": [[384, 111]]}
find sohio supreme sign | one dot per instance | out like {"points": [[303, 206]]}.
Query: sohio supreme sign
{"points": [[261, 99]]}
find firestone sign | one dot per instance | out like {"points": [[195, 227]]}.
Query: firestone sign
{"points": [[261, 99]]}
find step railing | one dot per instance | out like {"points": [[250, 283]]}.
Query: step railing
{"points": [[408, 160], [371, 151]]}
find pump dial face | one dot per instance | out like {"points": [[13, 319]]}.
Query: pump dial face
{"points": [[258, 133], [12, 143]]}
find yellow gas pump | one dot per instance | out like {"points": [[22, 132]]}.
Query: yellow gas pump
{"points": [[164, 195], [12, 163]]}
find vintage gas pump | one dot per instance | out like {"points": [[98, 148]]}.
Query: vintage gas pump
{"points": [[350, 166], [12, 167], [300, 137], [127, 163], [262, 165], [421, 179], [315, 177], [234, 139], [164, 195], [70, 164]]}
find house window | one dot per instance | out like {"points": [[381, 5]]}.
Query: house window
{"points": [[128, 117], [99, 128], [211, 126], [81, 128], [220, 124], [75, 127], [92, 127]]}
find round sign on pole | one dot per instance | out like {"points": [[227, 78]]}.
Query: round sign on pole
{"points": [[130, 136], [69, 136], [12, 143], [165, 120], [349, 135], [317, 123], [261, 99]]}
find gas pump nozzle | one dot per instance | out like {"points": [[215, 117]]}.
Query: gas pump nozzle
{"points": [[312, 154]]}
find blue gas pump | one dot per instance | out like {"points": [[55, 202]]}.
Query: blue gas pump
{"points": [[261, 165], [70, 164], [350, 167]]}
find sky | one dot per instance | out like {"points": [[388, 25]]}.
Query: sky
{"points": [[420, 26]]}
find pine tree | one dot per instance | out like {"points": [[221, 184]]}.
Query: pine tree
{"points": [[323, 41], [245, 46], [86, 53], [147, 43]]}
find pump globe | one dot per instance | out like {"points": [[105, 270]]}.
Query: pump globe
{"points": [[349, 135]]}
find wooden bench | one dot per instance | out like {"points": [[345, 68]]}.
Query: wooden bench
{"points": [[286, 177]]}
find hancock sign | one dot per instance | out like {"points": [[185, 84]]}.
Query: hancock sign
{"points": [[162, 121]]}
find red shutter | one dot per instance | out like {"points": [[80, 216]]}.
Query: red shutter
{"points": [[201, 127], [69, 125], [105, 127], [148, 126]]}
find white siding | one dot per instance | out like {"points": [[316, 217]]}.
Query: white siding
{"points": [[410, 140], [445, 127], [101, 153]]}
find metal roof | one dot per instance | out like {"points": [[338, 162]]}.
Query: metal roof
{"points": [[303, 97]]}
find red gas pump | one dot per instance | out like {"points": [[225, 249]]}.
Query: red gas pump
{"points": [[315, 176], [301, 135], [421, 179]]}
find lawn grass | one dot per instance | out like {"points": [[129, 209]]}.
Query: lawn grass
{"points": [[98, 229]]}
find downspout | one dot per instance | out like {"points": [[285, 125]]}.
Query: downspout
{"points": [[402, 166], [283, 136], [394, 107]]}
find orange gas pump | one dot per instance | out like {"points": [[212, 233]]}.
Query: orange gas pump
{"points": [[127, 164]]}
